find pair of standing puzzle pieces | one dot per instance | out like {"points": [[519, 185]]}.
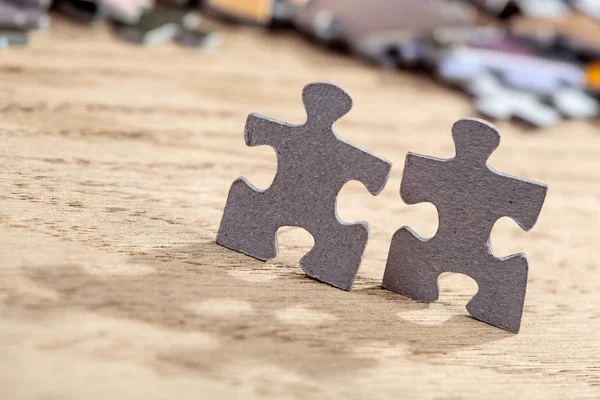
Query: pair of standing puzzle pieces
{"points": [[313, 165]]}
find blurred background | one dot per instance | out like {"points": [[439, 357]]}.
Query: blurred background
{"points": [[121, 123], [532, 61]]}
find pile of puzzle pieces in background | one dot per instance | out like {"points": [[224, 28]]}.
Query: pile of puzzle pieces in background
{"points": [[512, 71], [313, 163], [18, 17], [139, 21]]}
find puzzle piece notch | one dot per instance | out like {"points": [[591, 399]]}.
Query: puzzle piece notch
{"points": [[313, 165], [470, 197]]}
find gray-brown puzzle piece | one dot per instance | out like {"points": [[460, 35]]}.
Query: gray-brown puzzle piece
{"points": [[313, 165], [470, 196]]}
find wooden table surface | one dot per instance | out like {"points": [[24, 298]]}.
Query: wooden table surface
{"points": [[116, 164]]}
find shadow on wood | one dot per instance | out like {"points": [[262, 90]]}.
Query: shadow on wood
{"points": [[259, 310]]}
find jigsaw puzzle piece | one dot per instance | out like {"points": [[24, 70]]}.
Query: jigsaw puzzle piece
{"points": [[470, 196], [313, 164]]}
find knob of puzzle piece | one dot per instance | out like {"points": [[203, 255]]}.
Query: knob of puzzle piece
{"points": [[475, 139], [325, 103]]}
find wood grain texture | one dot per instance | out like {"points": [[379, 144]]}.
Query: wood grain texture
{"points": [[116, 163]]}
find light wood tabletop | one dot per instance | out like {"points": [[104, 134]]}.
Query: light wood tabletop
{"points": [[116, 164]]}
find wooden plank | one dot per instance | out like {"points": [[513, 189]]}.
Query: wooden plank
{"points": [[116, 163]]}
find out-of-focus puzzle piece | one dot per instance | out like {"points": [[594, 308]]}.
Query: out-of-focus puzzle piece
{"points": [[588, 7], [496, 101], [510, 78], [180, 3], [23, 17], [252, 11], [127, 11], [159, 26], [566, 47], [202, 40], [14, 37], [313, 165], [575, 103], [44, 4], [593, 76], [84, 11], [378, 30], [470, 197], [88, 11], [550, 9], [524, 72]]}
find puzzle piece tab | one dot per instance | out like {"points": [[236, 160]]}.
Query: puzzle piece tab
{"points": [[470, 197], [313, 165]]}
